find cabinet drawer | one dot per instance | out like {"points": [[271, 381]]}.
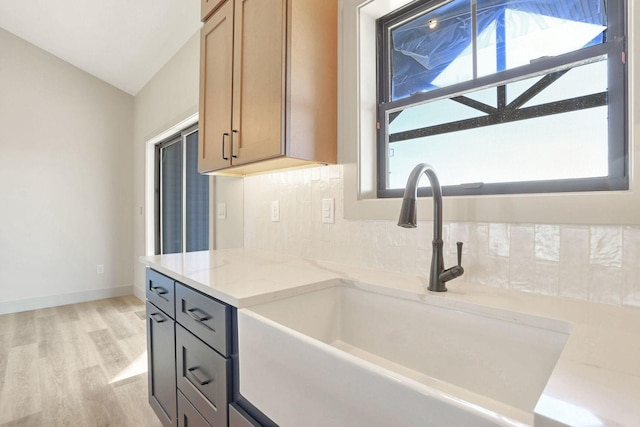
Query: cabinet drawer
{"points": [[205, 317], [188, 416], [160, 291], [202, 377], [239, 418]]}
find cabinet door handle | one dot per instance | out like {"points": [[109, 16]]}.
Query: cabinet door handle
{"points": [[223, 135], [193, 313], [157, 317], [234, 131], [194, 373], [160, 292]]}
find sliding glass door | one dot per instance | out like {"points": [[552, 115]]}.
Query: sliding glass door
{"points": [[182, 202]]}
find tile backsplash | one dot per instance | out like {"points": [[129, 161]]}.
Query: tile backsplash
{"points": [[592, 263]]}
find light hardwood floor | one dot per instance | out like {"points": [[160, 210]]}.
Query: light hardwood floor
{"points": [[76, 365]]}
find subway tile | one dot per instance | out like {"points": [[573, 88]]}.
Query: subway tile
{"points": [[631, 266], [605, 284], [478, 244], [492, 271], [499, 240], [459, 231], [574, 262], [424, 234], [522, 261], [475, 253], [547, 242], [547, 280], [606, 246], [422, 262]]}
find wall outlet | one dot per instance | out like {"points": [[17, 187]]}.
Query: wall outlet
{"points": [[275, 211], [221, 211], [328, 211], [100, 269]]}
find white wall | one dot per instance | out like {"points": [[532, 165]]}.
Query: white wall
{"points": [[65, 174], [170, 97]]}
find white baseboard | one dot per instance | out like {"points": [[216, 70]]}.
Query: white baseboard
{"points": [[63, 299], [139, 293]]}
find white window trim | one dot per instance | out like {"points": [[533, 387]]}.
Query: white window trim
{"points": [[357, 143]]}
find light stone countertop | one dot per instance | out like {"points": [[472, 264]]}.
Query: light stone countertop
{"points": [[596, 381]]}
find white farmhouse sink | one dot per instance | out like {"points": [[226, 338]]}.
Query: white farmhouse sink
{"points": [[344, 356]]}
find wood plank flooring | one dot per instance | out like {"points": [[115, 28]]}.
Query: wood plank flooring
{"points": [[76, 365]]}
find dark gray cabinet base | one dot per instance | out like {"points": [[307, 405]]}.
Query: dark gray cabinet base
{"points": [[192, 351]]}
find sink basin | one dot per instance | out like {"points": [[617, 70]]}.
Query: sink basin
{"points": [[344, 356]]}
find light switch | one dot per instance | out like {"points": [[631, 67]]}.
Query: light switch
{"points": [[222, 210], [328, 209]]}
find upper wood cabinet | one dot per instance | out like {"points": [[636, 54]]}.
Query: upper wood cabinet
{"points": [[268, 91], [208, 6]]}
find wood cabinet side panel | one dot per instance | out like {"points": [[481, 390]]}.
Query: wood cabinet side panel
{"points": [[313, 76]]}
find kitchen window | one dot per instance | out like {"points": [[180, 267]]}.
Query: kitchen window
{"points": [[504, 96], [182, 196]]}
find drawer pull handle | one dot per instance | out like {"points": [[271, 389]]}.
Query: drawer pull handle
{"points": [[223, 135], [193, 313], [159, 318], [159, 291], [233, 131], [193, 371]]}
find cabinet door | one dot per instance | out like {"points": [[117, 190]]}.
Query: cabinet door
{"points": [[216, 71], [208, 6], [202, 377], [162, 364], [188, 416], [259, 79]]}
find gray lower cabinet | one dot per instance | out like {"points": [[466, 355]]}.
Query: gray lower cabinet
{"points": [[188, 416], [189, 345], [162, 364]]}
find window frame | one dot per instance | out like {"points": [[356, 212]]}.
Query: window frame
{"points": [[614, 49]]}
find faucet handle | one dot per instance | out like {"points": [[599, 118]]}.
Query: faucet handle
{"points": [[456, 270]]}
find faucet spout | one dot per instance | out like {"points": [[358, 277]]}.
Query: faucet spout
{"points": [[408, 219]]}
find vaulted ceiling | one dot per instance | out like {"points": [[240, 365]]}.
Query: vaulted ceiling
{"points": [[123, 42]]}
